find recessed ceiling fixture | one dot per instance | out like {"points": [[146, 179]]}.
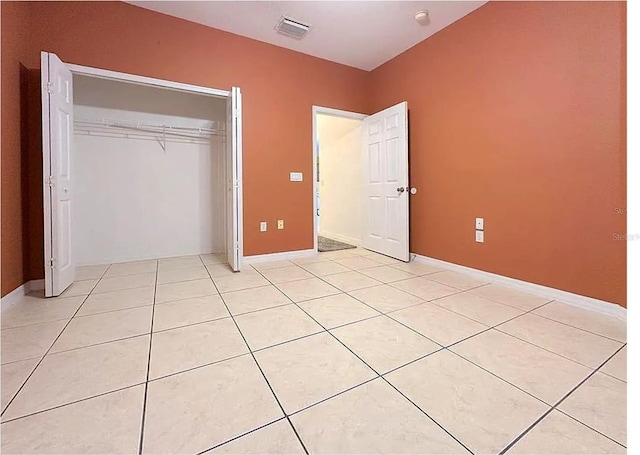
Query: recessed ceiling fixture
{"points": [[422, 17], [292, 27]]}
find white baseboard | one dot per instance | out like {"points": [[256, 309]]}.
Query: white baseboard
{"points": [[15, 295], [589, 303], [283, 256], [19, 292], [342, 238]]}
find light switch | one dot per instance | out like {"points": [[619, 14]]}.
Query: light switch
{"points": [[480, 236], [295, 176], [280, 224], [263, 226], [480, 224]]}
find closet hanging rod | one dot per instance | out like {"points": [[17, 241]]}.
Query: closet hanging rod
{"points": [[195, 134], [148, 127], [141, 136]]}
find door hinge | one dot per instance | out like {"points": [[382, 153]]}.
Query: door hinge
{"points": [[51, 181], [49, 87], [235, 113], [52, 263]]}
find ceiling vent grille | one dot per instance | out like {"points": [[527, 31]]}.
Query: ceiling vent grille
{"points": [[292, 28]]}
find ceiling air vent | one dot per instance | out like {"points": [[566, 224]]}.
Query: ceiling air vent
{"points": [[292, 28]]}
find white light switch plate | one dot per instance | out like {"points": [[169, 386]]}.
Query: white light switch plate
{"points": [[480, 236], [295, 176], [263, 226], [480, 224]]}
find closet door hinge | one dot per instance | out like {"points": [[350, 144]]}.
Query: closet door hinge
{"points": [[50, 181], [235, 113], [52, 263], [49, 87]]}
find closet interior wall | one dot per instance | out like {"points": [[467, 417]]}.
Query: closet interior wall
{"points": [[148, 167]]}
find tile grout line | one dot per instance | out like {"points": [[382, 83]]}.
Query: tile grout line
{"points": [[589, 426], [387, 314], [51, 346], [259, 367], [202, 452], [575, 327], [80, 400], [378, 375], [558, 403], [124, 388], [146, 383], [497, 329]]}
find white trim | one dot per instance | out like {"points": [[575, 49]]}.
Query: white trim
{"points": [[298, 254], [46, 172], [144, 80], [588, 303], [315, 110], [14, 296], [342, 238]]}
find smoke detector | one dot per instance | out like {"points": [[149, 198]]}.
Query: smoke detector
{"points": [[422, 17], [292, 28]]}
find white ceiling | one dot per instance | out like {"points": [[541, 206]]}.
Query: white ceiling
{"points": [[362, 34]]}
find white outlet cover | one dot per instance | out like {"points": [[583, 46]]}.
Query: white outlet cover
{"points": [[480, 224], [263, 226], [295, 176], [480, 236]]}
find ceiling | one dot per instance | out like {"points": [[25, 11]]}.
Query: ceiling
{"points": [[330, 128], [362, 34]]}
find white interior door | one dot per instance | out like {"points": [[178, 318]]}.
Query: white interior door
{"points": [[386, 172], [57, 143], [234, 178]]}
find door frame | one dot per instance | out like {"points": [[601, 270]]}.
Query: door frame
{"points": [[144, 80], [315, 110], [153, 82]]}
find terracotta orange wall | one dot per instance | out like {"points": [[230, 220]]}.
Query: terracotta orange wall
{"points": [[518, 115], [279, 87], [14, 52]]}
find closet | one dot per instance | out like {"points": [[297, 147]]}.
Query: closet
{"points": [[136, 168], [149, 172]]}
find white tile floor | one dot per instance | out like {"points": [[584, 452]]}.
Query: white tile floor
{"points": [[347, 352]]}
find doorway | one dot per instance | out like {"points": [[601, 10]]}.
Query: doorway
{"points": [[339, 180], [361, 179]]}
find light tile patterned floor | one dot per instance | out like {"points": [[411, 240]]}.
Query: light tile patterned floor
{"points": [[346, 352]]}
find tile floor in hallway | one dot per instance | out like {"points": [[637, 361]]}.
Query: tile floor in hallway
{"points": [[346, 352]]}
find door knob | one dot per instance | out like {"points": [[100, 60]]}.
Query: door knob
{"points": [[400, 189]]}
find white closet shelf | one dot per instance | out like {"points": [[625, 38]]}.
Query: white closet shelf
{"points": [[162, 133]]}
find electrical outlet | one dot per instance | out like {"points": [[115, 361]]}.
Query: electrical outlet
{"points": [[480, 236], [263, 226], [480, 224], [280, 224]]}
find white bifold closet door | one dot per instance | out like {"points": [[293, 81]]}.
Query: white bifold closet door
{"points": [[386, 170], [57, 142], [234, 179]]}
